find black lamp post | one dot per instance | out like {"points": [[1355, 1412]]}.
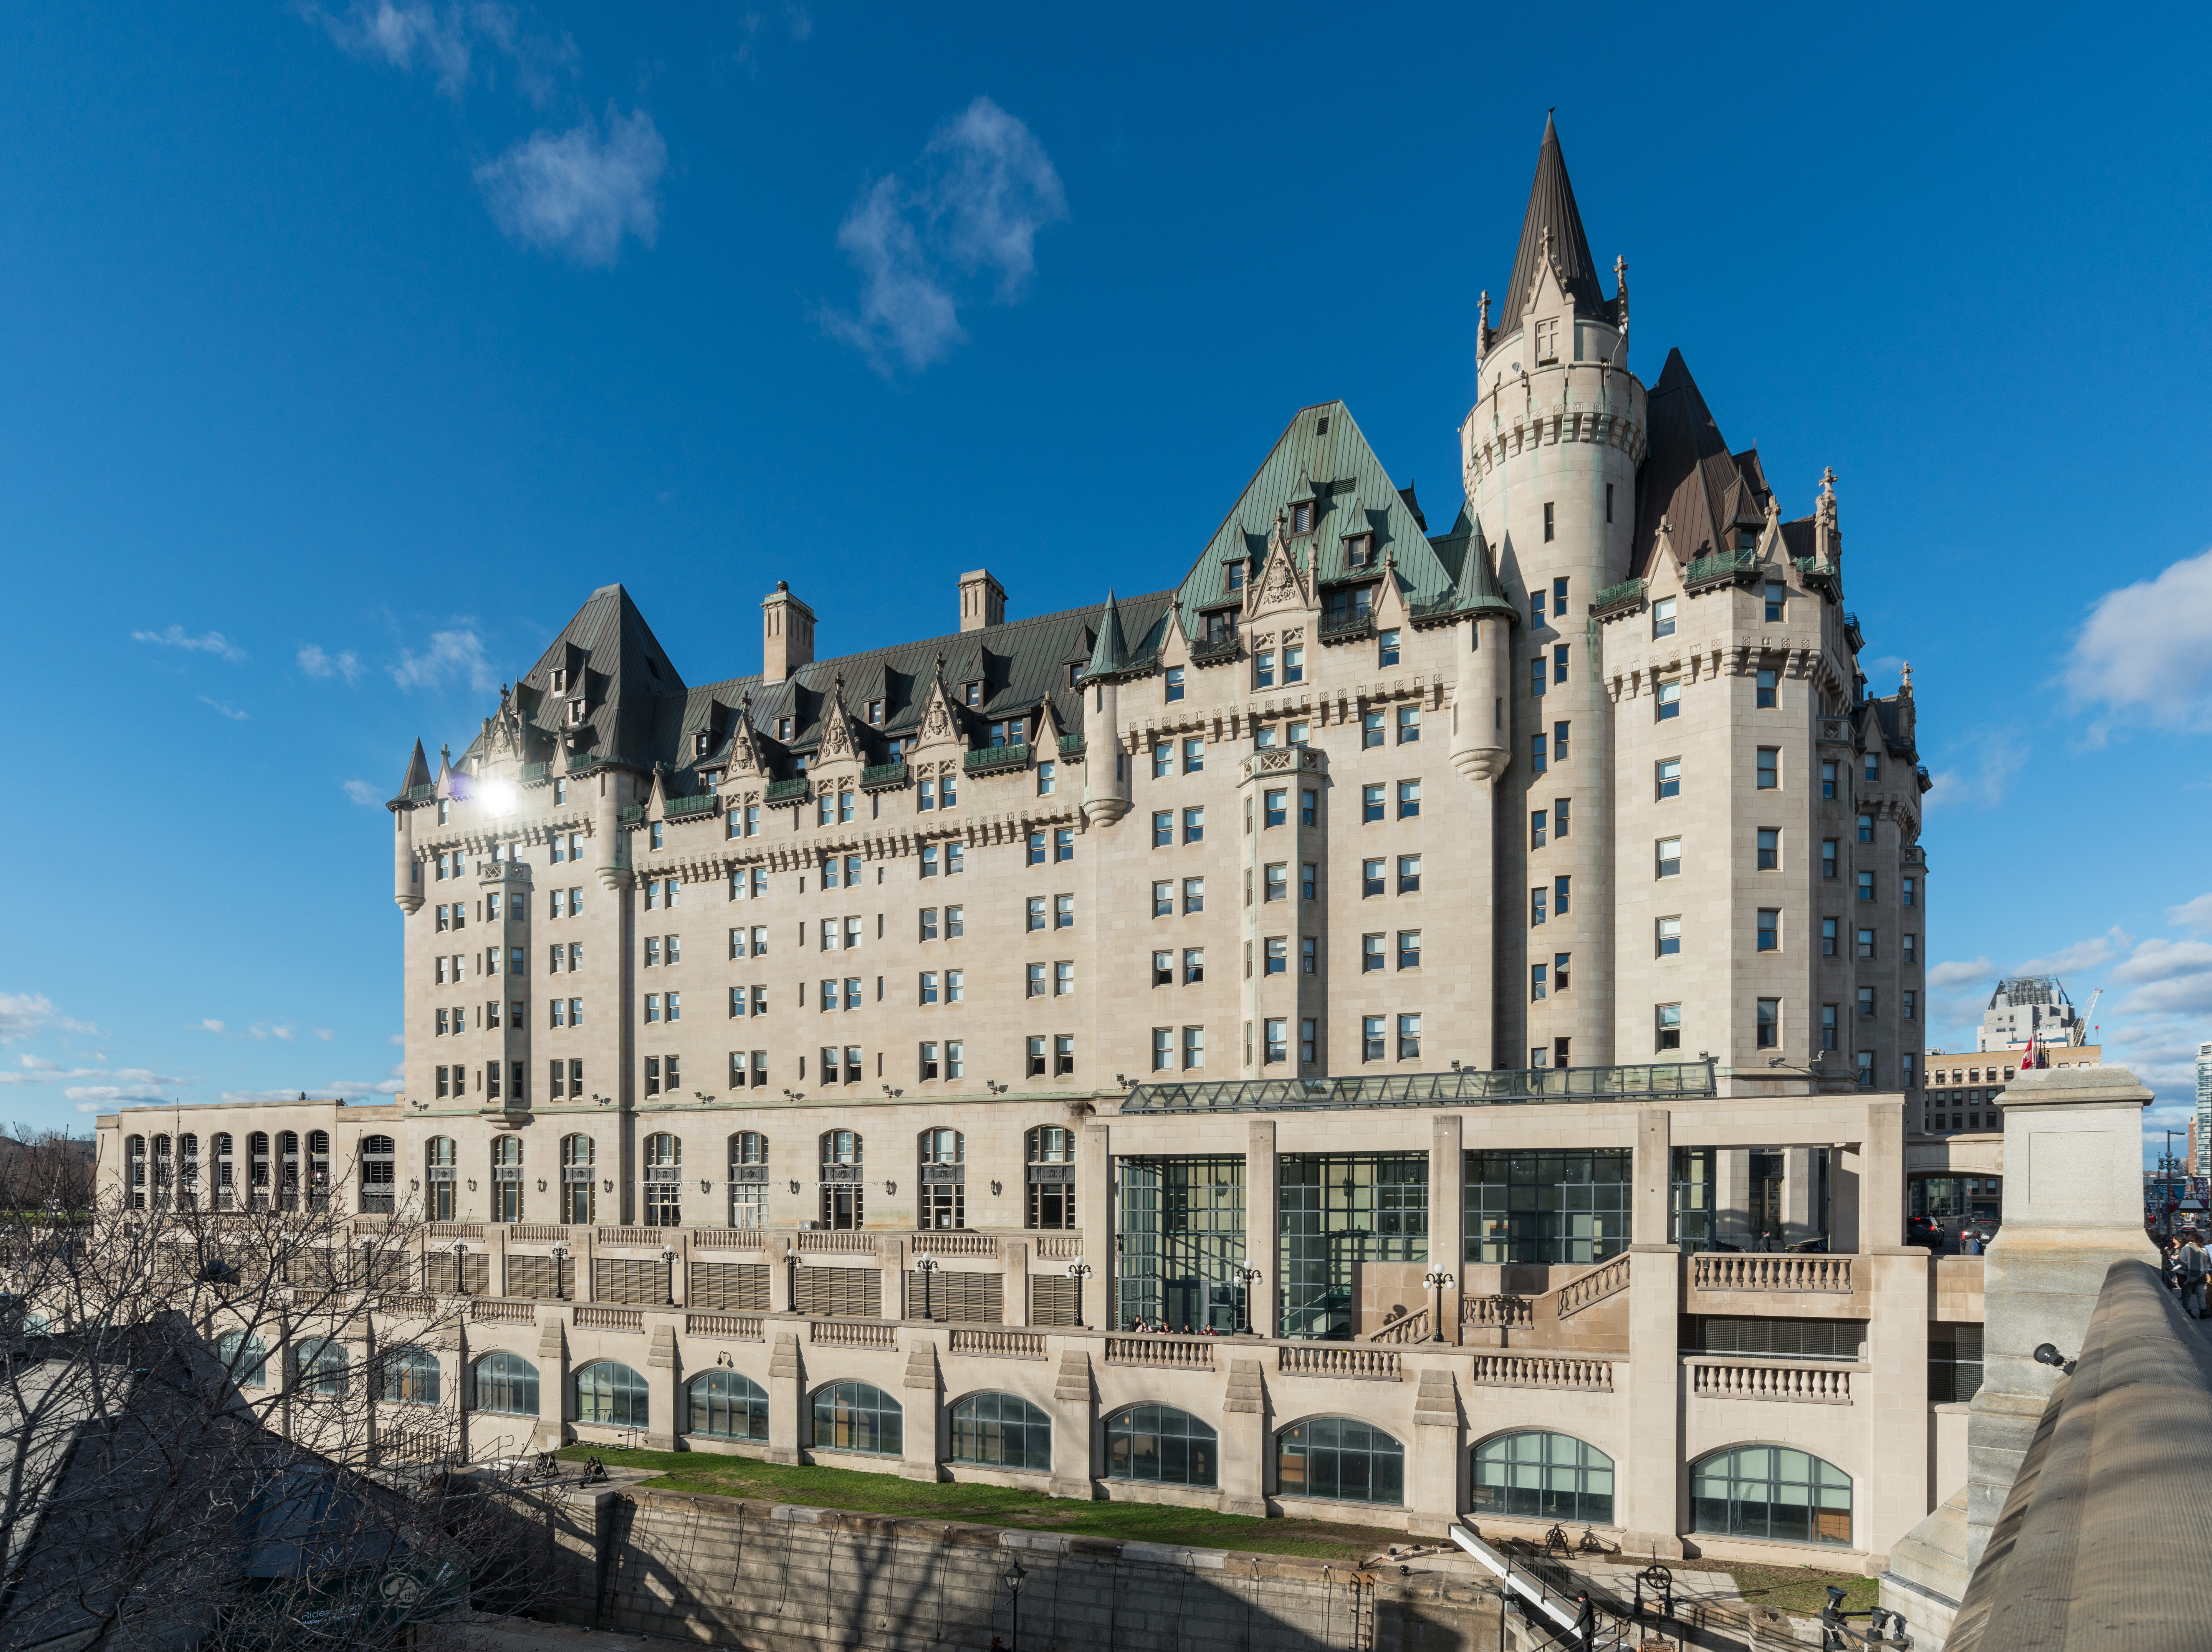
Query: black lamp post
{"points": [[1438, 1281], [1012, 1578], [925, 1266], [1078, 1272]]}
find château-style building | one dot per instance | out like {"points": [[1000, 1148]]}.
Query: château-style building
{"points": [[1409, 967]]}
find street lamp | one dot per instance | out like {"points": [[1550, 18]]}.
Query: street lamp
{"points": [[560, 1255], [1438, 1281], [925, 1266], [1078, 1272], [1251, 1276], [668, 1261], [1012, 1578], [460, 1267]]}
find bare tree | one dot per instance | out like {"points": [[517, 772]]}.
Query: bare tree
{"points": [[226, 1428]]}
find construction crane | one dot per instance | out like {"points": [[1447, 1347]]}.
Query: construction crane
{"points": [[2082, 1027]]}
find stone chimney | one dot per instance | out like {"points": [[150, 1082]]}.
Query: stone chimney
{"points": [[982, 600], [786, 635]]}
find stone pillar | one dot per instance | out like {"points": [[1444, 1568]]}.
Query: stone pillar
{"points": [[787, 1400], [1893, 1406], [918, 1397], [679, 1268], [1074, 1431], [1800, 1207], [1732, 1196], [551, 1432], [1648, 1484], [495, 1260], [1447, 1203], [775, 1251], [662, 1380], [1881, 1177], [2073, 1207], [1244, 1441], [1439, 1450], [1846, 1196], [891, 1265], [1014, 1263], [1097, 1218], [585, 1242], [1262, 1221]]}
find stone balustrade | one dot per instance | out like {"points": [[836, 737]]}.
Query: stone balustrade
{"points": [[852, 1333], [725, 1328], [954, 1243], [609, 1318], [493, 1310], [1182, 1353], [1335, 1359], [1542, 1371], [1805, 1385], [1756, 1270], [1001, 1345]]}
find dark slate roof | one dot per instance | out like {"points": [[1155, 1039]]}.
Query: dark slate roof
{"points": [[418, 772], [1552, 206], [612, 652], [1690, 477]]}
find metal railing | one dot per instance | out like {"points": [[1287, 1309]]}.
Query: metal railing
{"points": [[996, 756], [684, 808], [889, 774], [1672, 1079]]}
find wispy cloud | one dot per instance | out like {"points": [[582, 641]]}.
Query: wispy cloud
{"points": [[406, 34], [2080, 955], [1992, 757], [2169, 978], [211, 1025], [2195, 914], [966, 232], [1950, 975], [206, 642], [22, 1014], [452, 656], [757, 27], [315, 663], [579, 193], [363, 792], [231, 712], [324, 1034], [2145, 654]]}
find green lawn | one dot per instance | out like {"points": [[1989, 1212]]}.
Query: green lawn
{"points": [[1801, 1589], [992, 1505]]}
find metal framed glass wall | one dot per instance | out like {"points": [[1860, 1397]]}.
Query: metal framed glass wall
{"points": [[1547, 1206], [1338, 1209], [1691, 1206], [1181, 1250]]}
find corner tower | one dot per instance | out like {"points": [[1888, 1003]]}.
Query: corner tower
{"points": [[1549, 456]]}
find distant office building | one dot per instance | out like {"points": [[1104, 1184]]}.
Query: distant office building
{"points": [[1964, 1091], [2200, 1128], [2030, 1008]]}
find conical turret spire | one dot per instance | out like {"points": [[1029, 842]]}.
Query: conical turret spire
{"points": [[1111, 652], [418, 771], [1553, 232]]}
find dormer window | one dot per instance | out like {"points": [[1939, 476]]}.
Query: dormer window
{"points": [[560, 682], [701, 743], [1745, 540], [1074, 674], [1358, 550], [783, 728], [1012, 731], [1220, 628], [1302, 517], [971, 693], [1236, 577], [1547, 342], [875, 713], [576, 713]]}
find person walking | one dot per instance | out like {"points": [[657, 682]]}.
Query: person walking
{"points": [[2194, 1264]]}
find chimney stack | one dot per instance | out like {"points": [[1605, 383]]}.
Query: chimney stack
{"points": [[982, 600], [787, 634]]}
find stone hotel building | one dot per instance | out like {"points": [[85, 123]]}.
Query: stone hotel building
{"points": [[1414, 971]]}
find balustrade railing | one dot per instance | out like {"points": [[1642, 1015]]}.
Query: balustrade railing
{"points": [[727, 1327], [493, 1311], [457, 1230], [654, 1236], [1060, 1247], [1496, 1313], [1805, 1385], [609, 1318], [1410, 1327], [851, 1334], [948, 1243], [728, 1239], [1759, 1271], [1335, 1359], [1595, 1286], [847, 1243], [1182, 1353], [539, 1233], [1540, 1371], [1006, 1344]]}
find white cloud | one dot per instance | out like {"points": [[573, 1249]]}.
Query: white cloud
{"points": [[1979, 782], [2195, 914], [231, 712], [22, 1014], [207, 642], [2170, 978], [967, 232], [363, 792], [451, 654], [211, 1026], [578, 194], [794, 18], [142, 1082], [399, 1039], [313, 661], [2082, 955], [403, 33], [1953, 973], [2145, 652], [246, 1097], [324, 1034]]}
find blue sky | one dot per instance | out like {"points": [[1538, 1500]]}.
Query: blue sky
{"points": [[348, 348]]}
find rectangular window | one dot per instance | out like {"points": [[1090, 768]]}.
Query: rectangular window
{"points": [[1409, 874], [1371, 730], [1670, 936], [1162, 1048], [1409, 800], [1777, 593], [928, 989], [1828, 781], [1827, 1026], [1827, 938], [1770, 848], [1310, 881], [1386, 648], [1409, 1038], [1559, 742], [1539, 679], [1277, 886], [1873, 767], [1537, 818], [1278, 957], [1670, 1027], [1063, 979], [1162, 760], [1163, 969], [1764, 689], [1374, 1038], [1538, 762], [1537, 911], [1560, 889], [1409, 949], [1194, 755], [1036, 910], [1560, 807], [1828, 847], [1371, 806], [1035, 978], [1904, 892], [1162, 829], [1670, 778], [1663, 618], [1194, 895], [956, 991], [1193, 825], [1670, 857], [1309, 1041], [1048, 779], [1770, 929], [1308, 956], [1770, 1024], [1174, 683], [1538, 974], [1866, 1002], [1560, 664], [1865, 944], [1409, 725], [1669, 705], [1194, 1048], [1263, 669], [1911, 1008], [1866, 886], [1770, 768], [1063, 912], [1908, 947], [1163, 899], [1547, 503]]}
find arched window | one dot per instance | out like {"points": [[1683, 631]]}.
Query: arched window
{"points": [[188, 1170], [840, 1177], [1051, 1177], [288, 1170], [858, 1417], [664, 1189], [506, 1384], [1770, 1492], [576, 1171], [134, 1171], [944, 1179], [226, 1179], [610, 1394], [410, 1376], [380, 1175], [1003, 1430], [1547, 1476], [319, 1170], [1341, 1457], [440, 1158], [507, 1178], [321, 1364], [749, 1180], [1159, 1442], [244, 1357], [165, 1170], [729, 1406], [257, 1167]]}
